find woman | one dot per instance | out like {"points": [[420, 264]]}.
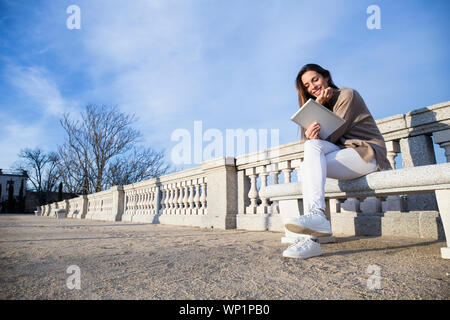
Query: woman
{"points": [[355, 149]]}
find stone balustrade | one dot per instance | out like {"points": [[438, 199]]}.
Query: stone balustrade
{"points": [[226, 192]]}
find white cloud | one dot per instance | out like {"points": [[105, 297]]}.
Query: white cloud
{"points": [[15, 136], [36, 83]]}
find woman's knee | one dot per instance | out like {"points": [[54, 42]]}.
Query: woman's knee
{"points": [[312, 144]]}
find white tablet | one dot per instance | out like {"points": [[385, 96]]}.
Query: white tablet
{"points": [[313, 111]]}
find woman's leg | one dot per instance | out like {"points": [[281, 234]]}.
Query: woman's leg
{"points": [[313, 173], [347, 164], [323, 159]]}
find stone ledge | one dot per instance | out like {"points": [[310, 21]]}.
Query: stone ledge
{"points": [[408, 180]]}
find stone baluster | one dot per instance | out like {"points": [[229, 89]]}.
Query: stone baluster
{"points": [[180, 198], [149, 201], [264, 206], [274, 171], [393, 148], [285, 167], [253, 193], [146, 200], [185, 198], [142, 194], [162, 200], [190, 198], [143, 201], [197, 197], [130, 202], [155, 200], [442, 138], [203, 196], [138, 202], [350, 205], [165, 201], [371, 205], [393, 203], [169, 199], [172, 199]]}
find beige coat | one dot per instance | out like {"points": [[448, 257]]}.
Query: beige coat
{"points": [[359, 130]]}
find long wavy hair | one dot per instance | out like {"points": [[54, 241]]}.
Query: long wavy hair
{"points": [[303, 94]]}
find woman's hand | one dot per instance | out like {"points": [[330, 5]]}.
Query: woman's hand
{"points": [[313, 131], [325, 95]]}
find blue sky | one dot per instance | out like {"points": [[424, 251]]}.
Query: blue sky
{"points": [[230, 64]]}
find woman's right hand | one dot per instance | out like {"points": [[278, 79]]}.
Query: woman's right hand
{"points": [[313, 131]]}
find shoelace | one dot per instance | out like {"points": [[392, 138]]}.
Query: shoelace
{"points": [[312, 215], [300, 241]]}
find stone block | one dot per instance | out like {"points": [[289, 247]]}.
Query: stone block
{"points": [[400, 224], [368, 225], [441, 136], [343, 223], [60, 213], [417, 151], [430, 225]]}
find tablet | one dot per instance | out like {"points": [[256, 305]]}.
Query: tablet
{"points": [[313, 111]]}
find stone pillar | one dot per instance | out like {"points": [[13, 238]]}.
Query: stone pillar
{"points": [[221, 193], [442, 138], [393, 148], [418, 151], [83, 207], [118, 201], [243, 189], [443, 198]]}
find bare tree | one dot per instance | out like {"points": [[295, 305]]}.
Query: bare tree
{"points": [[140, 164], [35, 162], [100, 151], [41, 168]]}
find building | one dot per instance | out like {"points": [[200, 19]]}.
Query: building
{"points": [[14, 178]]}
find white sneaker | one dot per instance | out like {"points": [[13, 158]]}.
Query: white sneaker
{"points": [[303, 248], [315, 224], [292, 239]]}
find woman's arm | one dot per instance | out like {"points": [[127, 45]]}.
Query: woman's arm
{"points": [[348, 107]]}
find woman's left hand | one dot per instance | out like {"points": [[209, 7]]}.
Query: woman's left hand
{"points": [[325, 95]]}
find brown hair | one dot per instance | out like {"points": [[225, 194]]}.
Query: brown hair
{"points": [[303, 94]]}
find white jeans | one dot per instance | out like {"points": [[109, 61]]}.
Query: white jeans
{"points": [[324, 159]]}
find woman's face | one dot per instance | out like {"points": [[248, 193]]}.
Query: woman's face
{"points": [[314, 82]]}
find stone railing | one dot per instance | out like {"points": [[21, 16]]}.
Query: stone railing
{"points": [[177, 198], [407, 134], [76, 207], [100, 205], [225, 192]]}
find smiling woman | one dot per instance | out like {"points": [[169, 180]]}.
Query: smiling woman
{"points": [[355, 149]]}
